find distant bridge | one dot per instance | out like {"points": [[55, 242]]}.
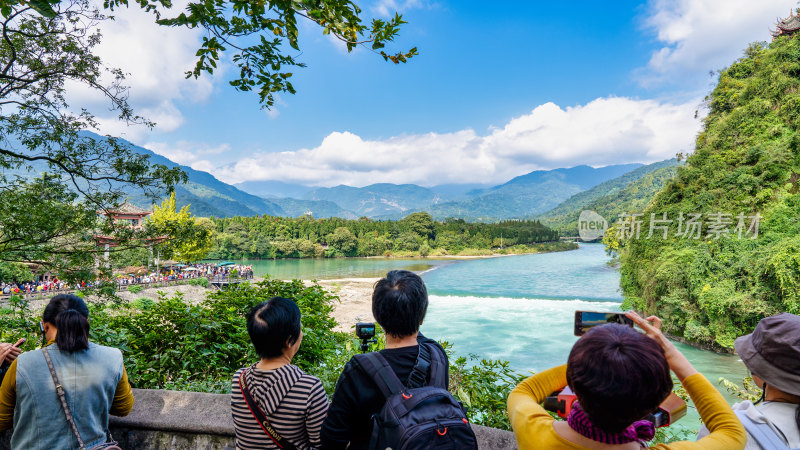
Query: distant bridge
{"points": [[219, 281]]}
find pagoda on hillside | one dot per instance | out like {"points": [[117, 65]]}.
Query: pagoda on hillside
{"points": [[125, 215], [788, 26]]}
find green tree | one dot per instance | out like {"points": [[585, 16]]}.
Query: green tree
{"points": [[343, 241], [421, 223], [59, 175], [408, 241], [181, 236], [48, 45], [14, 272]]}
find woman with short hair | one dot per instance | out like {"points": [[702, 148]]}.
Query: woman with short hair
{"points": [[275, 404], [619, 376], [93, 377]]}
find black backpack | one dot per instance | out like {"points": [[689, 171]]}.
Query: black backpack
{"points": [[426, 417]]}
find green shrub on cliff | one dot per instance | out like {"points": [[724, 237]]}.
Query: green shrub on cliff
{"points": [[747, 160]]}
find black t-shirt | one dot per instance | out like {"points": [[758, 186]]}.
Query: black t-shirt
{"points": [[357, 398]]}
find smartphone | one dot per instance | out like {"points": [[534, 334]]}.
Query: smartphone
{"points": [[19, 342], [584, 320]]}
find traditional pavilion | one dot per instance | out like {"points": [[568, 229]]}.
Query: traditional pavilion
{"points": [[788, 26], [125, 214], [130, 215]]}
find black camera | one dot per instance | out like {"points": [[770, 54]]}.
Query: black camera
{"points": [[670, 410], [366, 332]]}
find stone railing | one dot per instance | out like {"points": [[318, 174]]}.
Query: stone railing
{"points": [[191, 420]]}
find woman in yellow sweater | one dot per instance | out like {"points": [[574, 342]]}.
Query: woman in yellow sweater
{"points": [[619, 376]]}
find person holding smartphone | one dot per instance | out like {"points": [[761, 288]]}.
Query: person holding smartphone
{"points": [[8, 353], [619, 375]]}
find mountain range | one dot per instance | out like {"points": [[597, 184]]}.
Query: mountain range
{"points": [[628, 193], [553, 196]]}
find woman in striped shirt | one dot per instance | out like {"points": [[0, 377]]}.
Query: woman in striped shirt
{"points": [[293, 403]]}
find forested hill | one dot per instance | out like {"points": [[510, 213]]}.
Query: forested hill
{"points": [[529, 194], [628, 193], [207, 195], [747, 160]]}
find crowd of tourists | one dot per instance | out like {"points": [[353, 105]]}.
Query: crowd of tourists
{"points": [[33, 287], [397, 397], [170, 273], [173, 273]]}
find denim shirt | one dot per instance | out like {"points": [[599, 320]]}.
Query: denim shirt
{"points": [[89, 378]]}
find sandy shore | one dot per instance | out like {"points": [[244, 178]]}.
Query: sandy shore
{"points": [[356, 300]]}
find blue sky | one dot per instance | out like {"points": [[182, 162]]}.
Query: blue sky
{"points": [[494, 93]]}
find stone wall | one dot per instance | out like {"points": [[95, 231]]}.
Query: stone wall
{"points": [[191, 420]]}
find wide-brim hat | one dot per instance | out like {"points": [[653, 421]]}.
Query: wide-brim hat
{"points": [[772, 351]]}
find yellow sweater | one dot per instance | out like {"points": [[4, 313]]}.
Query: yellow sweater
{"points": [[533, 426], [121, 406]]}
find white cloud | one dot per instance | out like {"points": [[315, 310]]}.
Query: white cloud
{"points": [[604, 131], [699, 36], [387, 8], [189, 153], [155, 58]]}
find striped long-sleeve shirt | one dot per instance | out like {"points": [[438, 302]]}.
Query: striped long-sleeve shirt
{"points": [[294, 403]]}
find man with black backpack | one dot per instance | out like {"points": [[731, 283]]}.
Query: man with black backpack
{"points": [[397, 398]]}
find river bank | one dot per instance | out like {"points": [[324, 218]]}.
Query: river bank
{"points": [[355, 300]]}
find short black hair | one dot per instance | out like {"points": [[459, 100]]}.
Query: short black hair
{"points": [[619, 375], [70, 315], [399, 302], [272, 325]]}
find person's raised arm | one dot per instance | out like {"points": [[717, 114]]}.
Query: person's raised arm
{"points": [[726, 430], [677, 362]]}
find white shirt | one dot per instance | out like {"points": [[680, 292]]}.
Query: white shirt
{"points": [[778, 415]]}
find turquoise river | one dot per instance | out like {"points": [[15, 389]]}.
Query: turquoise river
{"points": [[518, 308]]}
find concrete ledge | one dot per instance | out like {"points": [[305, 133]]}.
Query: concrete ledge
{"points": [[187, 412], [192, 420]]}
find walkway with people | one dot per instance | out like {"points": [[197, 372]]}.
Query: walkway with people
{"points": [[217, 274]]}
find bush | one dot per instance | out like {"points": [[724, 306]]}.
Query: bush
{"points": [[176, 344], [424, 250], [198, 282], [143, 303], [135, 289], [484, 389]]}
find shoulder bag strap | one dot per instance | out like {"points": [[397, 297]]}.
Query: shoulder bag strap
{"points": [[379, 370], [62, 397], [439, 367], [260, 417], [419, 374], [762, 433]]}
